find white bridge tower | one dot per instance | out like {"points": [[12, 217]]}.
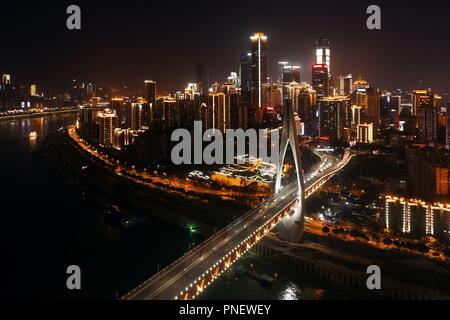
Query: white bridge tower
{"points": [[291, 227]]}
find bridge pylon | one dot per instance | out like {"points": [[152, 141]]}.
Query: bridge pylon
{"points": [[290, 227]]}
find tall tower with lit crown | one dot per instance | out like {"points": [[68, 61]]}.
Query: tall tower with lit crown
{"points": [[323, 52], [259, 75]]}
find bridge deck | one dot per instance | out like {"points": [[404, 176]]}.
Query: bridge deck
{"points": [[178, 276]]}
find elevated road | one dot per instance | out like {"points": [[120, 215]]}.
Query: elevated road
{"points": [[188, 276]]}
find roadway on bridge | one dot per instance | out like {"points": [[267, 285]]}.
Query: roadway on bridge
{"points": [[169, 282]]}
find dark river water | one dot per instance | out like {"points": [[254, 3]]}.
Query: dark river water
{"points": [[45, 229]]}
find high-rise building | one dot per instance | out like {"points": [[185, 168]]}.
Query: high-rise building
{"points": [[291, 73], [245, 76], [150, 91], [332, 117], [90, 90], [121, 138], [302, 97], [233, 78], [219, 111], [421, 98], [323, 52], [427, 121], [390, 108], [447, 126], [33, 90], [118, 105], [191, 91], [365, 133], [6, 79], [259, 76], [359, 93], [372, 108], [171, 113], [281, 65], [107, 121], [137, 116], [345, 85], [417, 217], [320, 80], [428, 171], [203, 77], [238, 112], [275, 96], [356, 116], [425, 108]]}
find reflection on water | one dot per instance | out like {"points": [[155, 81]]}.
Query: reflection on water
{"points": [[291, 292], [289, 284]]}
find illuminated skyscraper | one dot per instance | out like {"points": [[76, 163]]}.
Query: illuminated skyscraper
{"points": [[150, 91], [417, 217], [345, 85], [6, 79], [259, 75], [320, 79], [390, 106], [323, 52], [191, 91], [425, 107], [291, 73], [332, 117], [447, 127], [107, 121], [118, 105], [245, 76], [365, 133], [372, 111], [359, 93], [281, 65], [171, 113], [302, 97], [356, 116], [219, 111], [137, 116], [275, 96], [233, 78], [422, 98], [33, 90]]}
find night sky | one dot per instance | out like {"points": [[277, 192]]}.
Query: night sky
{"points": [[124, 43]]}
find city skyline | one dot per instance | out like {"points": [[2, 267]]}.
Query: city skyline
{"points": [[149, 48], [229, 151]]}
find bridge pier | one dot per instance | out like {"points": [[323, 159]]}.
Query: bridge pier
{"points": [[290, 228]]}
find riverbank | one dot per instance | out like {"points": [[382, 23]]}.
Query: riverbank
{"points": [[342, 264], [21, 116], [206, 215]]}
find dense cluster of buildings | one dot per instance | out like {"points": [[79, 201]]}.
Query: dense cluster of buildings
{"points": [[334, 109], [18, 96]]}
